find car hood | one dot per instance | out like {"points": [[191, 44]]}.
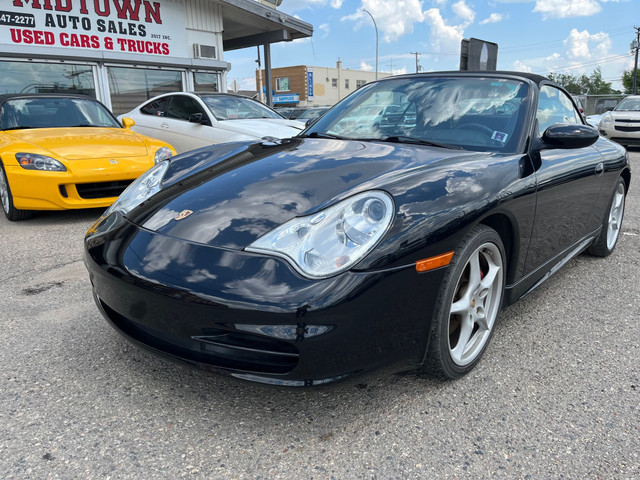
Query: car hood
{"points": [[84, 142], [621, 115], [263, 127], [232, 194]]}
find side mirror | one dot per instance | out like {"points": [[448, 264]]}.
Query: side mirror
{"points": [[199, 118], [128, 122], [568, 136]]}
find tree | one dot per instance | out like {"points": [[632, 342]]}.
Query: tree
{"points": [[594, 84], [627, 81]]}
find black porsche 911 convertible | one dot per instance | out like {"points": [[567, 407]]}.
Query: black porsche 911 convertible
{"points": [[390, 233]]}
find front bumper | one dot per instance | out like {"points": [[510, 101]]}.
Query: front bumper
{"points": [[89, 187], [624, 133], [252, 316]]}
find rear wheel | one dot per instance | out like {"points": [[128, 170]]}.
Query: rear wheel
{"points": [[611, 223], [468, 305], [6, 199]]}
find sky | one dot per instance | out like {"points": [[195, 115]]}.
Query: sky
{"points": [[540, 36]]}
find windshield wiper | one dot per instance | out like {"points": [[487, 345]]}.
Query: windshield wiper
{"points": [[418, 141], [323, 135]]}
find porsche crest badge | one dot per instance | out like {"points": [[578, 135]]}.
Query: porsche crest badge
{"points": [[183, 214]]}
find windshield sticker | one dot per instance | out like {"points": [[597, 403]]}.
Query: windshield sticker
{"points": [[499, 136]]}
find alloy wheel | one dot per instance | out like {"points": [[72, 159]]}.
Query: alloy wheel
{"points": [[476, 304], [4, 191], [615, 216]]}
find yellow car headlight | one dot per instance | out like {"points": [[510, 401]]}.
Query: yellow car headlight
{"points": [[34, 161], [162, 154]]}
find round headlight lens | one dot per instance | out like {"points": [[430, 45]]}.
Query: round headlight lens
{"points": [[326, 243]]}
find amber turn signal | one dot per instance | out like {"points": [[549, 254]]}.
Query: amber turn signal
{"points": [[432, 263]]}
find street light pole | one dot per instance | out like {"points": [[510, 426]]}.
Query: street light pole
{"points": [[635, 68], [376, 27]]}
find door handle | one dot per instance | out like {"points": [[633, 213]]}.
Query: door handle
{"points": [[164, 125], [599, 168]]}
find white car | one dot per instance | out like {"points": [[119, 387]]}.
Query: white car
{"points": [[594, 120], [189, 120], [622, 124]]}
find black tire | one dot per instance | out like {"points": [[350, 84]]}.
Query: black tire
{"points": [[482, 247], [606, 242], [6, 200]]}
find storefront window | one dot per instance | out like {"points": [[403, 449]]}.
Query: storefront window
{"points": [[30, 77], [130, 87], [282, 84], [206, 82]]}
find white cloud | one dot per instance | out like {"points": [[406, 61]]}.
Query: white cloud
{"points": [[289, 6], [325, 29], [399, 71], [366, 67], [494, 18], [462, 10], [566, 8], [579, 43], [518, 66], [394, 19], [443, 37]]}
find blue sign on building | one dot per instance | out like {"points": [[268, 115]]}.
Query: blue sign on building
{"points": [[290, 98], [309, 84]]}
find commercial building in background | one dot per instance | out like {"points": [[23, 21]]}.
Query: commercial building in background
{"points": [[123, 52], [307, 86]]}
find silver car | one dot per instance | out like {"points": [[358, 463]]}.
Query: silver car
{"points": [[622, 124], [190, 120]]}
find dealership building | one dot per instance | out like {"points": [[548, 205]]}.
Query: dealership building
{"points": [[123, 52]]}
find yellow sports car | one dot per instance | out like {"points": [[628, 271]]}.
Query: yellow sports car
{"points": [[67, 151]]}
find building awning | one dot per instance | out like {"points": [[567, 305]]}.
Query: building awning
{"points": [[248, 23]]}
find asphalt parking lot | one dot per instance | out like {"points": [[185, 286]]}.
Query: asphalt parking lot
{"points": [[557, 394]]}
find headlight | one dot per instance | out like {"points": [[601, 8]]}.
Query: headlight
{"points": [[162, 154], [33, 161], [607, 120], [333, 240], [147, 184]]}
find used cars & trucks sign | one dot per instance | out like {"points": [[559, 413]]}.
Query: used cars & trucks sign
{"points": [[127, 26]]}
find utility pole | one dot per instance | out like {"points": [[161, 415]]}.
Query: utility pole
{"points": [[636, 45], [417, 65]]}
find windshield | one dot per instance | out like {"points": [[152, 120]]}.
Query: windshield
{"points": [[473, 113], [628, 105], [225, 107], [54, 112]]}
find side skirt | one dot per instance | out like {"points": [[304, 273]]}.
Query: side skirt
{"points": [[537, 277]]}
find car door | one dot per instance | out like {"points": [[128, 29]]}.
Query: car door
{"points": [[568, 184], [179, 131], [150, 117]]}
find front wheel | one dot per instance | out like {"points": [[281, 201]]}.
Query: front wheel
{"points": [[6, 199], [611, 223], [468, 305]]}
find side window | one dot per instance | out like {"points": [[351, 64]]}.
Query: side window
{"points": [[156, 107], [554, 106], [181, 107]]}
